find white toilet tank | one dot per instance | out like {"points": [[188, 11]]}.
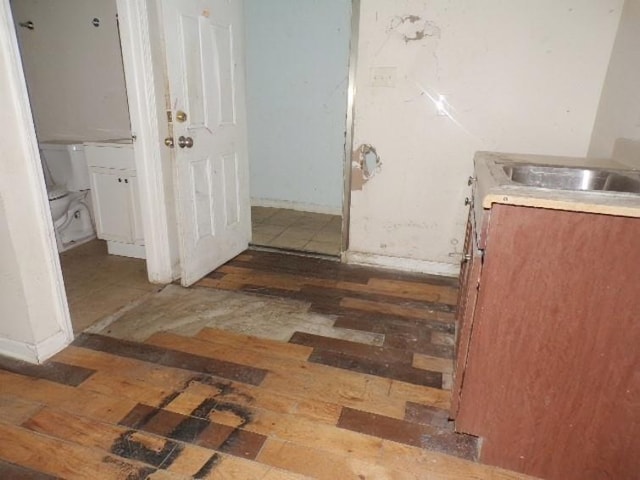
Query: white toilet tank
{"points": [[67, 164]]}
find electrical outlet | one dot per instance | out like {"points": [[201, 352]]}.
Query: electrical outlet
{"points": [[383, 76]]}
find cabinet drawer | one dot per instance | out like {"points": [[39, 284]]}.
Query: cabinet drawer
{"points": [[116, 157]]}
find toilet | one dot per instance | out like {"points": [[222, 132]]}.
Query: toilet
{"points": [[67, 178]]}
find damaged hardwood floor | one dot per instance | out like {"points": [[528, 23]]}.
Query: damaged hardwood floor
{"points": [[221, 404]]}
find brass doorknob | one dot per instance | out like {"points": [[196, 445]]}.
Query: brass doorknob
{"points": [[185, 141], [181, 116], [169, 142]]}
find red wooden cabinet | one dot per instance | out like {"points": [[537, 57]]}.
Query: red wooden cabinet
{"points": [[548, 358]]}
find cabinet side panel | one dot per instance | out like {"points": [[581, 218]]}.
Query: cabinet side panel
{"points": [[552, 380]]}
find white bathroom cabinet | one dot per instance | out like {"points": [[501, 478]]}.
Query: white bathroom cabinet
{"points": [[116, 204]]}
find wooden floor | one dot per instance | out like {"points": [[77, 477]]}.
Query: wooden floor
{"points": [[225, 405]]}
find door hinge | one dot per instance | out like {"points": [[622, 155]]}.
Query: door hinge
{"points": [[169, 116]]}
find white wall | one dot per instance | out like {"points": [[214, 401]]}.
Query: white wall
{"points": [[520, 76], [33, 325], [73, 69], [619, 111], [297, 65]]}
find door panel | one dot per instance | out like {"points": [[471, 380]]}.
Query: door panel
{"points": [[205, 63]]}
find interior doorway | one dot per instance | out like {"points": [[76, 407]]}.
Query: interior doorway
{"points": [[298, 54], [159, 225], [73, 67]]}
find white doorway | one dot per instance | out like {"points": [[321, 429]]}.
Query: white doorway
{"points": [[73, 68]]}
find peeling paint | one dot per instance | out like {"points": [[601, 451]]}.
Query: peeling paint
{"points": [[413, 28], [365, 164]]}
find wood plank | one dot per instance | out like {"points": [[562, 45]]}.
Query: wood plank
{"points": [[256, 344], [418, 435], [198, 428], [398, 291], [356, 349], [419, 394], [285, 426], [428, 415], [124, 367], [219, 283], [182, 459], [323, 268], [64, 459], [136, 390], [380, 368], [434, 364], [425, 464], [420, 344], [16, 472], [262, 398], [141, 372], [397, 310], [82, 402], [51, 370], [173, 358], [313, 381], [284, 374], [415, 290], [15, 409], [325, 465]]}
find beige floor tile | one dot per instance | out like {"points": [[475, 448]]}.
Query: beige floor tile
{"points": [[283, 241], [328, 235], [309, 231], [298, 233], [261, 214], [326, 248], [312, 221], [283, 218], [268, 229], [261, 239]]}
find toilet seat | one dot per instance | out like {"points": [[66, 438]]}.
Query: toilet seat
{"points": [[57, 191]]}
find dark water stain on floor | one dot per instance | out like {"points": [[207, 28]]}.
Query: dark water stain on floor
{"points": [[127, 447]]}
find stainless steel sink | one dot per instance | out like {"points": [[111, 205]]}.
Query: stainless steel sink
{"points": [[567, 178]]}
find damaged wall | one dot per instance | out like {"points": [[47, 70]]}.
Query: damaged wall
{"points": [[297, 66], [516, 76]]}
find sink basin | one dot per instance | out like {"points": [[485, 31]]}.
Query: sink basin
{"points": [[568, 178]]}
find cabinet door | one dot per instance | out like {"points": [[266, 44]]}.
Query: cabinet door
{"points": [[111, 205], [469, 285], [136, 211]]}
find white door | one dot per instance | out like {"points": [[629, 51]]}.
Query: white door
{"points": [[205, 64]]}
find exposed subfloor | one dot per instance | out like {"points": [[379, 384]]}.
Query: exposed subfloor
{"points": [[272, 367], [99, 284], [296, 230]]}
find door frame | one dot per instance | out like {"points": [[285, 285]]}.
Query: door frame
{"points": [[144, 65], [348, 140], [145, 78]]}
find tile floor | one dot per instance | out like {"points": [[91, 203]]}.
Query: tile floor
{"points": [[99, 284], [296, 230]]}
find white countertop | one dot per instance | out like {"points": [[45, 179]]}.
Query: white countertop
{"points": [[493, 186]]}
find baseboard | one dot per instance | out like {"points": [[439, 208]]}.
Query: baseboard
{"points": [[290, 205], [126, 249], [37, 353], [399, 263]]}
